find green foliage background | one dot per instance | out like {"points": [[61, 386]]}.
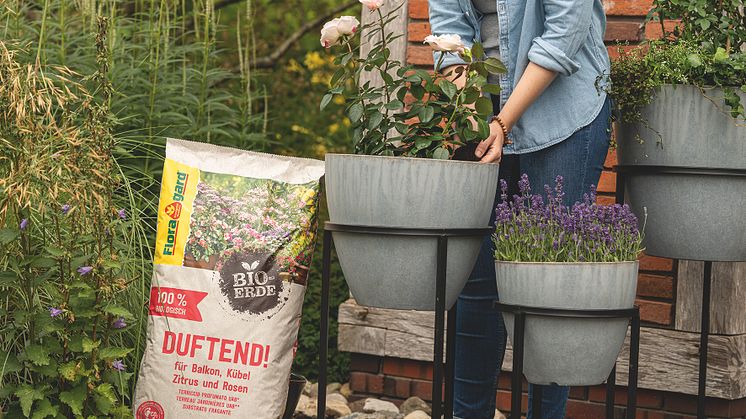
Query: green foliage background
{"points": [[184, 69]]}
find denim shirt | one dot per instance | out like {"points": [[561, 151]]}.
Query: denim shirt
{"points": [[565, 36]]}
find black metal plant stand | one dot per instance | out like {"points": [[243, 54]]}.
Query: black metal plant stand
{"points": [[519, 329], [704, 337], [442, 236]]}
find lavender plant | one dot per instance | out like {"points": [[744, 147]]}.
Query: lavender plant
{"points": [[530, 229]]}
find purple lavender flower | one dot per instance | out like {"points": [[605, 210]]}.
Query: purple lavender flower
{"points": [[85, 270], [529, 229], [24, 224], [54, 311], [119, 323], [65, 209], [122, 214], [118, 365]]}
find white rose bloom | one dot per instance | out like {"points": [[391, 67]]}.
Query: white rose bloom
{"points": [[372, 4], [330, 35], [335, 29], [446, 43], [347, 25]]}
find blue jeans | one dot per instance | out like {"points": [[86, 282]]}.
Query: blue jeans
{"points": [[480, 331]]}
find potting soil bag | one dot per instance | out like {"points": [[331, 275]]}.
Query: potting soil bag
{"points": [[236, 232]]}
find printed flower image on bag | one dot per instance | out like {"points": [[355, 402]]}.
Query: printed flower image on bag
{"points": [[236, 232]]}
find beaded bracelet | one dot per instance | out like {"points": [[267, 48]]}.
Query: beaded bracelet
{"points": [[503, 127]]}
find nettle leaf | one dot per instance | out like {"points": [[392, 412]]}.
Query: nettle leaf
{"points": [[448, 88], [483, 106], [44, 408], [26, 396], [8, 235], [38, 355], [9, 363], [114, 352], [89, 344], [441, 154], [55, 251], [75, 398], [42, 262], [69, 370], [105, 398], [118, 311]]}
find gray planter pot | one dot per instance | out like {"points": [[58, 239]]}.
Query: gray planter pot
{"points": [[699, 215], [399, 272], [566, 351]]}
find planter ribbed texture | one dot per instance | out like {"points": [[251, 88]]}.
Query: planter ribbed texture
{"points": [[690, 216], [567, 351], [399, 272]]}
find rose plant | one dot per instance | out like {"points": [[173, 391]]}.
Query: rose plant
{"points": [[530, 229], [438, 116]]}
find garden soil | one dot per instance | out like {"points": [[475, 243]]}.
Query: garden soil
{"points": [[236, 232]]}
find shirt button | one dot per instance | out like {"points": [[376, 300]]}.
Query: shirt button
{"points": [[467, 13]]}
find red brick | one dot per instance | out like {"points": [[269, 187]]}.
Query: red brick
{"points": [[358, 382], [503, 401], [408, 368], [655, 311], [580, 393], [396, 387], [374, 383], [418, 9], [584, 410], [422, 389], [627, 7], [605, 199], [655, 286], [649, 414], [645, 398], [611, 160], [418, 31], [365, 363], [607, 183], [419, 55], [653, 30], [652, 263], [616, 50], [623, 30]]}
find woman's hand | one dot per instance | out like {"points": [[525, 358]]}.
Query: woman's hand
{"points": [[491, 149]]}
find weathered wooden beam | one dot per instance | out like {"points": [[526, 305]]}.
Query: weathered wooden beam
{"points": [[728, 305], [397, 26], [668, 358]]}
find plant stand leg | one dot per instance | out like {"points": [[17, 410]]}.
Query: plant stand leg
{"points": [[610, 393], [516, 386], [634, 358], [704, 339], [324, 327], [440, 309]]}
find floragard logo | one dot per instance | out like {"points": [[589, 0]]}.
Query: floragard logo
{"points": [[173, 210]]}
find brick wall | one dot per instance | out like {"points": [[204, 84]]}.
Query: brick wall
{"points": [[396, 379]]}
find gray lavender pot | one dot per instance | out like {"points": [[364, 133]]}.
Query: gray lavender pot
{"points": [[394, 271], [569, 351], [699, 215]]}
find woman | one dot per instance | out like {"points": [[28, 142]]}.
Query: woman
{"points": [[557, 119]]}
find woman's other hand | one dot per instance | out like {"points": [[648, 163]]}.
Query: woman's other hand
{"points": [[490, 150]]}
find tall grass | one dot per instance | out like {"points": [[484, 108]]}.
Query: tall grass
{"points": [[164, 77]]}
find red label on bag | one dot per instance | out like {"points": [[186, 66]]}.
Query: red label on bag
{"points": [[150, 410], [176, 303]]}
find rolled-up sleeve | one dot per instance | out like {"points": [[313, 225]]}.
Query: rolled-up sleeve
{"points": [[446, 17], [566, 27]]}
